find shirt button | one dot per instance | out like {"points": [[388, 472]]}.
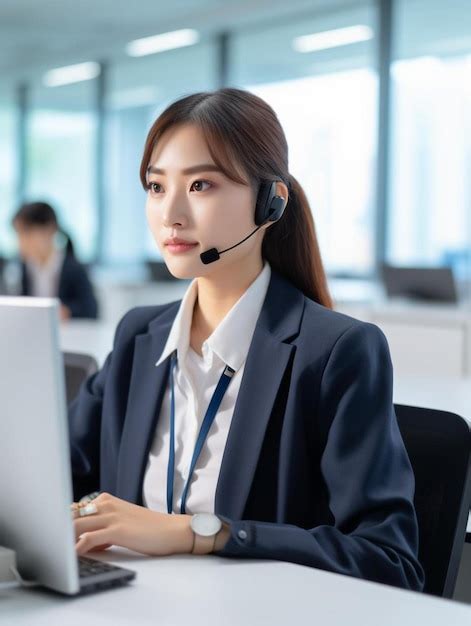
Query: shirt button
{"points": [[242, 534]]}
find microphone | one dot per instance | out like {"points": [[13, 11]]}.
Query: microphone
{"points": [[211, 255]]}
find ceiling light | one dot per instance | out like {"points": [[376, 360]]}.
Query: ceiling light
{"points": [[332, 38], [164, 41], [71, 74]]}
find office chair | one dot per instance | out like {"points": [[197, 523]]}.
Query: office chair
{"points": [[439, 447], [78, 367]]}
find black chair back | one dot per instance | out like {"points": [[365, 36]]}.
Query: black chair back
{"points": [[78, 367], [439, 448]]}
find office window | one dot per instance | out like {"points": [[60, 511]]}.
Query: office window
{"points": [[61, 141], [8, 172], [429, 191], [326, 100], [139, 89]]}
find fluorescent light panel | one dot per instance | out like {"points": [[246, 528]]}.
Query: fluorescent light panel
{"points": [[164, 41], [332, 38], [71, 74]]}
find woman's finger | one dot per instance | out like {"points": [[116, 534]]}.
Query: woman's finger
{"points": [[91, 540], [101, 547], [91, 523]]}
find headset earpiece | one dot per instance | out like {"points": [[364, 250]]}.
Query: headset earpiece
{"points": [[269, 207], [277, 207]]}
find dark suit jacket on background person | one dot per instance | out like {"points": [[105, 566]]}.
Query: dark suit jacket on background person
{"points": [[314, 469], [75, 289]]}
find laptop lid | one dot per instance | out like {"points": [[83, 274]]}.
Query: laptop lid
{"points": [[421, 283], [35, 476]]}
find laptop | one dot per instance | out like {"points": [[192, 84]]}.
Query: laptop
{"points": [[35, 474], [420, 283]]}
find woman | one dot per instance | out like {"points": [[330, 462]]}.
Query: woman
{"points": [[304, 461], [47, 270]]}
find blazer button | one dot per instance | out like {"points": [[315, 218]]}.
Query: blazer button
{"points": [[242, 534]]}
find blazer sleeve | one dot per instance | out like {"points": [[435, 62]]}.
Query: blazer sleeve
{"points": [[80, 297], [367, 472]]}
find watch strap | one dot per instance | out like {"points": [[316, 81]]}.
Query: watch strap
{"points": [[203, 545]]}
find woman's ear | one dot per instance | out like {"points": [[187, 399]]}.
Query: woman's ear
{"points": [[282, 190]]}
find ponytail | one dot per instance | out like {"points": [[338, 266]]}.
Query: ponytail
{"points": [[69, 246], [290, 246]]}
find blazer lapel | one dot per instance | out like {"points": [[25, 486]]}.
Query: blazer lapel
{"points": [[267, 360], [147, 386]]}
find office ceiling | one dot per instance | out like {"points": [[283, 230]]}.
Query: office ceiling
{"points": [[38, 34]]}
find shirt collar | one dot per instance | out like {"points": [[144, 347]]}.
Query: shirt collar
{"points": [[179, 336], [231, 339]]}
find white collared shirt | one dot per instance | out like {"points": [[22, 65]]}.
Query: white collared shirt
{"points": [[44, 279], [195, 380]]}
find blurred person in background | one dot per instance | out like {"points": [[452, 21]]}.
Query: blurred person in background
{"points": [[47, 270]]}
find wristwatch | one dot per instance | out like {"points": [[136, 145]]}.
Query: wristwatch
{"points": [[205, 527]]}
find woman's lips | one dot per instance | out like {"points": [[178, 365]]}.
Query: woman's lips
{"points": [[177, 248]]}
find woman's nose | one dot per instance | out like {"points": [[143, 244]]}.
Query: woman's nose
{"points": [[175, 211]]}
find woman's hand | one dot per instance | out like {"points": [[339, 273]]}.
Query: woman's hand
{"points": [[121, 523], [64, 313]]}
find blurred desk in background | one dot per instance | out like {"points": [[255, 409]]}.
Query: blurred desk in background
{"points": [[424, 339], [118, 297], [445, 394], [87, 337]]}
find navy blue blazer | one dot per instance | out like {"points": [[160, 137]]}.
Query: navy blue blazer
{"points": [[75, 289], [314, 470]]}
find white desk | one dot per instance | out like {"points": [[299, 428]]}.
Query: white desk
{"points": [[424, 339], [435, 392], [211, 590], [87, 336]]}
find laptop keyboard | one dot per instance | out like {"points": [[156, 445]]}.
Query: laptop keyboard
{"points": [[90, 567], [97, 575]]}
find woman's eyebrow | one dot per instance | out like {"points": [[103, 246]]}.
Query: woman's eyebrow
{"points": [[204, 167]]}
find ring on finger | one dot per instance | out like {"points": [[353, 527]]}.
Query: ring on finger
{"points": [[89, 509]]}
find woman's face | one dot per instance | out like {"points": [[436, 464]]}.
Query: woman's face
{"points": [[189, 198], [34, 242]]}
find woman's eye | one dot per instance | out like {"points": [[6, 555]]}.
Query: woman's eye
{"points": [[198, 185], [155, 187]]}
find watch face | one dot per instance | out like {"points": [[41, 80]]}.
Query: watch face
{"points": [[205, 524]]}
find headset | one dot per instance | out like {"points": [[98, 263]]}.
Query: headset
{"points": [[268, 208]]}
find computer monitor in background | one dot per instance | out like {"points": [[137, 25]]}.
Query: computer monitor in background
{"points": [[433, 284]]}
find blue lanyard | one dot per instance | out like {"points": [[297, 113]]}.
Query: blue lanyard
{"points": [[205, 426]]}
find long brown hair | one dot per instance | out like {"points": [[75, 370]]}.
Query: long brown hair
{"points": [[243, 133]]}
